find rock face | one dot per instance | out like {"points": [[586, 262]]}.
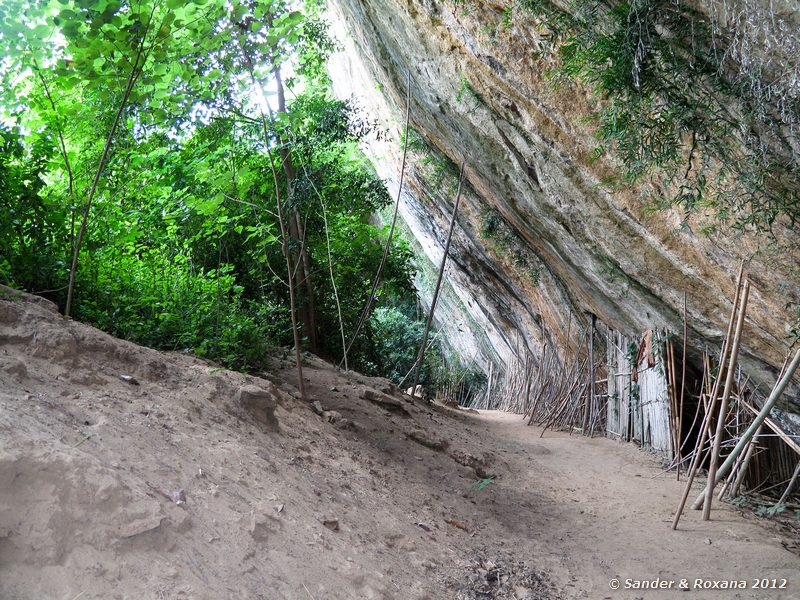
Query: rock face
{"points": [[540, 241], [259, 403]]}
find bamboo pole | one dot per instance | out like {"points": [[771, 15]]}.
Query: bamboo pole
{"points": [[387, 247], [758, 421], [528, 377], [790, 487], [683, 387], [734, 474], [711, 405], [775, 428], [434, 300], [723, 405], [673, 395], [748, 454], [588, 406], [593, 371]]}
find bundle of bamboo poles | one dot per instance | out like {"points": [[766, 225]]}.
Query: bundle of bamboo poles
{"points": [[563, 395], [505, 390], [457, 387], [558, 393], [710, 442]]}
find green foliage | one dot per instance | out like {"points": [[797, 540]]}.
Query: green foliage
{"points": [[482, 484], [508, 17], [490, 32], [507, 242], [395, 339], [440, 172], [667, 110], [794, 329], [467, 6], [183, 248], [453, 382], [631, 352], [608, 269], [466, 91], [162, 304], [770, 511], [31, 224], [414, 140]]}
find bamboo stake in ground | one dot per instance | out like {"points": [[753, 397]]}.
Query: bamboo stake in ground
{"points": [[672, 381], [751, 446], [592, 382], [723, 405], [790, 487], [683, 388], [711, 406], [589, 399], [434, 300], [760, 418], [388, 245]]}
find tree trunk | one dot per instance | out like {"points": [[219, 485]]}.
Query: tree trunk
{"points": [[302, 260]]}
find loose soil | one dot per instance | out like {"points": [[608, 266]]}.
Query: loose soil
{"points": [[131, 473]]}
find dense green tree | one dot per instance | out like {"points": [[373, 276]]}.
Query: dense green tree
{"points": [[144, 118], [145, 147]]}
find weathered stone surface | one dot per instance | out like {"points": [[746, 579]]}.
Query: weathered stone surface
{"points": [[422, 438], [387, 402], [527, 150], [14, 366], [259, 403]]}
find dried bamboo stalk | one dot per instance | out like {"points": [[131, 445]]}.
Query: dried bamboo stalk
{"points": [[711, 405], [777, 391], [723, 406]]}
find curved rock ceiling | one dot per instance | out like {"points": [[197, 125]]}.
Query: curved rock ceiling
{"points": [[568, 246]]}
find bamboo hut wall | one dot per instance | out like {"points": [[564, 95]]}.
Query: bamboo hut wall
{"points": [[654, 405], [617, 412], [638, 411], [773, 466]]}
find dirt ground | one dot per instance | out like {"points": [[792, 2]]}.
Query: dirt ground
{"points": [[130, 473]]}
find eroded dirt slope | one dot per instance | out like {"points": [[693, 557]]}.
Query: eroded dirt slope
{"points": [[130, 473]]}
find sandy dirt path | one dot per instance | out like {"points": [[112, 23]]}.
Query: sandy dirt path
{"points": [[378, 497], [608, 507]]}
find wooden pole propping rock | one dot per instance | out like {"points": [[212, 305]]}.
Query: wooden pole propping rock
{"points": [[435, 299], [723, 405], [762, 415], [711, 406]]}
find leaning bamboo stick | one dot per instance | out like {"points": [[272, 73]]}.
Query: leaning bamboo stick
{"points": [[711, 405], [734, 474], [775, 428], [760, 418], [723, 405], [683, 387], [790, 487], [748, 454], [434, 300]]}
